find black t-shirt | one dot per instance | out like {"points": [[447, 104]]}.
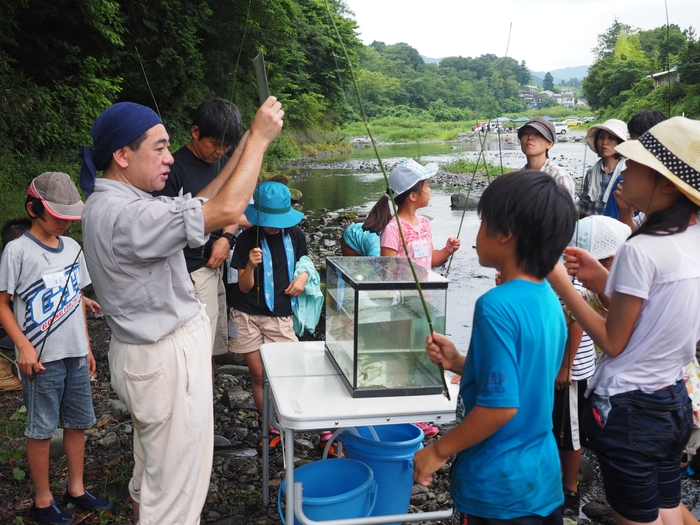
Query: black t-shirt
{"points": [[191, 175], [253, 302]]}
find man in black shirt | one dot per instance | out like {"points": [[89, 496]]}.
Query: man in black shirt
{"points": [[216, 129]]}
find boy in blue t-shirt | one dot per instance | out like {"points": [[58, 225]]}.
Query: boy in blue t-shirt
{"points": [[507, 465]]}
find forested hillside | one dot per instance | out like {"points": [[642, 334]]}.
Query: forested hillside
{"points": [[63, 61], [619, 83], [394, 80]]}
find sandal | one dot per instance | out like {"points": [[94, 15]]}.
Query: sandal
{"points": [[50, 514], [274, 441], [332, 450]]}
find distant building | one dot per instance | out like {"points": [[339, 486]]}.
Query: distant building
{"points": [[665, 77], [582, 102]]}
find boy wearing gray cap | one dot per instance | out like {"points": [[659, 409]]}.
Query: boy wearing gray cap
{"points": [[43, 273], [160, 351], [537, 136]]}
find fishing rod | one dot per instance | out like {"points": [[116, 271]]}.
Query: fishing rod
{"points": [[482, 154], [428, 319]]}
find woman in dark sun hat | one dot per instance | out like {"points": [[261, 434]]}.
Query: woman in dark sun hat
{"points": [[638, 416]]}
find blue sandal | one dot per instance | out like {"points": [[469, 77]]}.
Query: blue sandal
{"points": [[50, 514], [87, 501]]}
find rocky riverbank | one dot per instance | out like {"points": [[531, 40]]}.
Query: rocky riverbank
{"points": [[235, 490]]}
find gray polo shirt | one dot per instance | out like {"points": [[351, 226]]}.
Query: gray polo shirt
{"points": [[133, 248]]}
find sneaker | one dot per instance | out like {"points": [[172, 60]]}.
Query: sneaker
{"points": [[571, 498], [87, 501], [428, 430], [50, 514]]}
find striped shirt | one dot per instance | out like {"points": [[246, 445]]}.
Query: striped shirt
{"points": [[585, 360]]}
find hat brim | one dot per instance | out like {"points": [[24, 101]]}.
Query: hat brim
{"points": [[634, 150], [540, 128], [287, 219], [593, 134], [66, 212]]}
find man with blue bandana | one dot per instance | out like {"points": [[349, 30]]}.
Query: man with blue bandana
{"points": [[161, 342]]}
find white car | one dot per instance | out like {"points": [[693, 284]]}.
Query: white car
{"points": [[560, 128]]}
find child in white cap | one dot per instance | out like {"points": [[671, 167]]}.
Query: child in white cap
{"points": [[601, 236], [409, 182]]}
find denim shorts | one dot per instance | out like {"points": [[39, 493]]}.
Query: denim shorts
{"points": [[62, 393], [639, 446]]}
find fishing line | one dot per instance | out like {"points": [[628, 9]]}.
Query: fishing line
{"points": [[428, 319], [482, 142], [668, 52], [58, 306], [235, 77], [148, 84]]}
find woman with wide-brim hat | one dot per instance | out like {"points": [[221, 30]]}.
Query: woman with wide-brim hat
{"points": [[638, 416], [598, 184]]}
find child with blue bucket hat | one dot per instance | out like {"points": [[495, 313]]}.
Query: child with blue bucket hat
{"points": [[264, 298]]}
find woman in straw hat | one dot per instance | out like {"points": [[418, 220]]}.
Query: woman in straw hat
{"points": [[638, 416], [598, 184]]}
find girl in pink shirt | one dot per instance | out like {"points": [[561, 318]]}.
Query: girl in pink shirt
{"points": [[409, 182]]}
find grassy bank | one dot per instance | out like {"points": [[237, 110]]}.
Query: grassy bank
{"points": [[470, 166], [414, 129]]}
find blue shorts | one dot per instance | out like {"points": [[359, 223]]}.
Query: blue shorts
{"points": [[639, 446], [62, 393]]}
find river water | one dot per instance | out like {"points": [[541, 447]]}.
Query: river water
{"points": [[351, 181]]}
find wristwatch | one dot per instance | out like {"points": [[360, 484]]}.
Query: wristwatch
{"points": [[230, 237]]}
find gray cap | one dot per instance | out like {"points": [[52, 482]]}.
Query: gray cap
{"points": [[58, 193], [541, 125]]}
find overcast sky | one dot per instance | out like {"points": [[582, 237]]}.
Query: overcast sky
{"points": [[547, 34]]}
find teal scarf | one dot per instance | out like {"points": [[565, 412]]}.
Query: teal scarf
{"points": [[268, 273]]}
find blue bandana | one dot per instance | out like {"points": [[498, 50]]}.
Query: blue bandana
{"points": [[117, 126]]}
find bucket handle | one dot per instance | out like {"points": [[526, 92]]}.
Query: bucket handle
{"points": [[372, 495], [354, 431]]}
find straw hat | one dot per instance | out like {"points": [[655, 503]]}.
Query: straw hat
{"points": [[613, 126], [8, 381], [672, 148]]}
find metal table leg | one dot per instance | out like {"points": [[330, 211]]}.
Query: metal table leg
{"points": [[266, 443]]}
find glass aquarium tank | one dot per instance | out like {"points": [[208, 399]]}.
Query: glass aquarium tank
{"points": [[376, 325]]}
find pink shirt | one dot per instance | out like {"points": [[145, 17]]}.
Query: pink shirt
{"points": [[419, 240]]}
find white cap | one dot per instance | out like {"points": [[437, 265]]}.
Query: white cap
{"points": [[407, 174], [602, 236]]}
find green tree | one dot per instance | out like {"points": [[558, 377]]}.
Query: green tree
{"points": [[606, 41], [548, 82], [689, 66]]}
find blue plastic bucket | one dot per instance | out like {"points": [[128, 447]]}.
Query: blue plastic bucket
{"points": [[390, 458], [334, 489]]}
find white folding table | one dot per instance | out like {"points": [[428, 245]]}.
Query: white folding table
{"points": [[308, 394]]}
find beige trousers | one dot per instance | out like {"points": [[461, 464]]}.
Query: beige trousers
{"points": [[167, 388], [209, 289]]}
